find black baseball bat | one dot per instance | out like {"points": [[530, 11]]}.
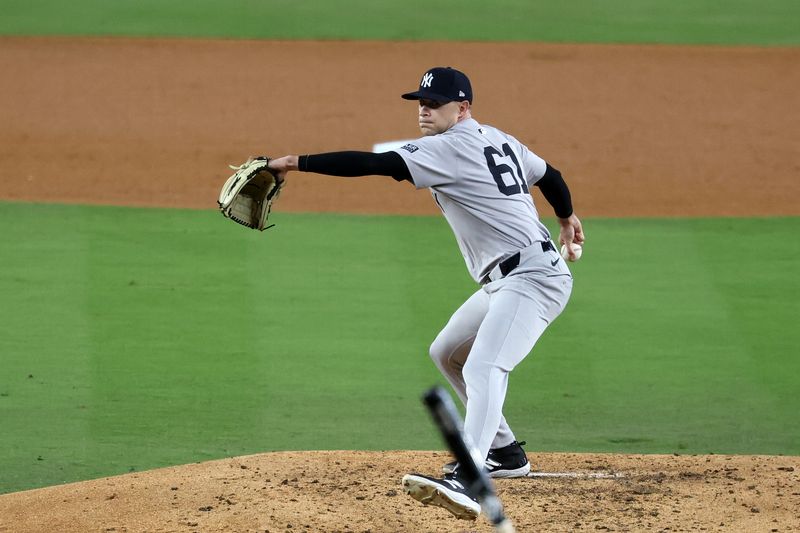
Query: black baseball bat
{"points": [[470, 465]]}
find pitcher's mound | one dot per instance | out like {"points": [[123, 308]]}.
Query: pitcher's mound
{"points": [[360, 491]]}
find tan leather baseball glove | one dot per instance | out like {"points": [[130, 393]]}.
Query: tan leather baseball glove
{"points": [[248, 195]]}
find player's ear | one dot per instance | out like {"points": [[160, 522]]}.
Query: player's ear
{"points": [[463, 108]]}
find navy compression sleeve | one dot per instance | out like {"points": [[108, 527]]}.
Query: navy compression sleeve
{"points": [[556, 192], [352, 164]]}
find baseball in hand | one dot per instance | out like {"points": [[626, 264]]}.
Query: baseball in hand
{"points": [[576, 248]]}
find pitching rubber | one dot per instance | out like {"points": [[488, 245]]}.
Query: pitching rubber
{"points": [[577, 475]]}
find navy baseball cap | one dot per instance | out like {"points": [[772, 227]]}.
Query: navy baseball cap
{"points": [[443, 84]]}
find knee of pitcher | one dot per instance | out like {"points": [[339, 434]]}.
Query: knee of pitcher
{"points": [[477, 373], [438, 354]]}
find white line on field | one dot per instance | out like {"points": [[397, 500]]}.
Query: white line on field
{"points": [[579, 475]]}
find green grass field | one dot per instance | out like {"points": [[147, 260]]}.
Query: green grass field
{"points": [[137, 338], [729, 22]]}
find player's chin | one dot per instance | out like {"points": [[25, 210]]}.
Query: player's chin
{"points": [[427, 129]]}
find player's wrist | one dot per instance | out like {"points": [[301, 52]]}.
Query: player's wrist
{"points": [[284, 164], [566, 220]]}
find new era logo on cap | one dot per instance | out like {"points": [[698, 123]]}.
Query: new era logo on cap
{"points": [[443, 84]]}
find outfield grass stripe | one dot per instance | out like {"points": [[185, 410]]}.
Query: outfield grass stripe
{"points": [[659, 362], [44, 367], [730, 22], [160, 337]]}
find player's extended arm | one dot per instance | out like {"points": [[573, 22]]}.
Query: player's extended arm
{"points": [[556, 192], [347, 164]]}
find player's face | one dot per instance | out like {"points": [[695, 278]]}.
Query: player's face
{"points": [[437, 117]]}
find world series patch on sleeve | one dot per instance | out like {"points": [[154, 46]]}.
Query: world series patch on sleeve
{"points": [[248, 195]]}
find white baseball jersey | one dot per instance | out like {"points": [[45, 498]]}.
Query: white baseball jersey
{"points": [[480, 178]]}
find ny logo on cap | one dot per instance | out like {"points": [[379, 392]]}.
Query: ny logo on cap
{"points": [[427, 79]]}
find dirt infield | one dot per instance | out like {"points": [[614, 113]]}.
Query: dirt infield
{"points": [[360, 492], [650, 130], [637, 131]]}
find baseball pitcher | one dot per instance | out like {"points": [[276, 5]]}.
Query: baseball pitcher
{"points": [[480, 177]]}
